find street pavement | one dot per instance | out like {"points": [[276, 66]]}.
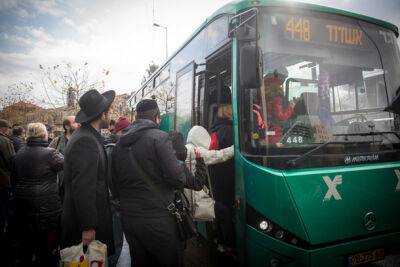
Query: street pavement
{"points": [[390, 261]]}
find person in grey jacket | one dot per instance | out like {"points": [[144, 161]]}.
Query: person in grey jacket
{"points": [[150, 229]]}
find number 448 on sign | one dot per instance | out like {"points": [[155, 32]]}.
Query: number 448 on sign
{"points": [[294, 140], [299, 29]]}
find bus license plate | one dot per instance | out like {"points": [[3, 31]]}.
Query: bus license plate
{"points": [[369, 256]]}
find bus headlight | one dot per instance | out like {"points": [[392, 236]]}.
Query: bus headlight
{"points": [[266, 226]]}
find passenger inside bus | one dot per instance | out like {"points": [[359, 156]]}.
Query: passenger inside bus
{"points": [[278, 109]]}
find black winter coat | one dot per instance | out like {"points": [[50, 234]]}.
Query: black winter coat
{"points": [[34, 180], [17, 143], [153, 150], [223, 174], [86, 202]]}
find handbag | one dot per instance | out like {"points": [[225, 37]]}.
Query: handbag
{"points": [[177, 208], [201, 202], [186, 226]]}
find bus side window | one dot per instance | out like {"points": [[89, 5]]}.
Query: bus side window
{"points": [[184, 99], [164, 94], [199, 100]]}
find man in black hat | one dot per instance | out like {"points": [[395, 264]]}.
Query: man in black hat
{"points": [[150, 229], [86, 210]]}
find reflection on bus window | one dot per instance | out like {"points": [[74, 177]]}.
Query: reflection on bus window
{"points": [[329, 90]]}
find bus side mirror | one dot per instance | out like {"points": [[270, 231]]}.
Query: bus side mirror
{"points": [[248, 67]]}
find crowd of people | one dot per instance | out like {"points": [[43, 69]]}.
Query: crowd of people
{"points": [[85, 186]]}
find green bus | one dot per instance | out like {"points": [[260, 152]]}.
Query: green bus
{"points": [[327, 192]]}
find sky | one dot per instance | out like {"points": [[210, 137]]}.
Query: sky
{"points": [[118, 36]]}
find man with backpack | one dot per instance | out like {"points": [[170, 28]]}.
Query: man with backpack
{"points": [[142, 160]]}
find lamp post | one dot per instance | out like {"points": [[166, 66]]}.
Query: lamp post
{"points": [[166, 38]]}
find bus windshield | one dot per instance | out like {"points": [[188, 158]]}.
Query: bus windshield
{"points": [[327, 80]]}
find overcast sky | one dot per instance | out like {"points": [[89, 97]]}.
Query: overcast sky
{"points": [[114, 35]]}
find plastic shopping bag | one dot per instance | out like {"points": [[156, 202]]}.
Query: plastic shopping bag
{"points": [[95, 256]]}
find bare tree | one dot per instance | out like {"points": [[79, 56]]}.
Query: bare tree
{"points": [[149, 71], [63, 84], [164, 96], [18, 92]]}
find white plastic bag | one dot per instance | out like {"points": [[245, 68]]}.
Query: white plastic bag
{"points": [[95, 256]]}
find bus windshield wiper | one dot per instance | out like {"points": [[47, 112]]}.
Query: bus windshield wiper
{"points": [[293, 162]]}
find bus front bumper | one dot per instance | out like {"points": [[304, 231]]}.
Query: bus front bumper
{"points": [[263, 250]]}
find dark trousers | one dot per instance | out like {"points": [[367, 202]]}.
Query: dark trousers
{"points": [[224, 219], [42, 244], [223, 186], [29, 242], [153, 241], [118, 237], [4, 199]]}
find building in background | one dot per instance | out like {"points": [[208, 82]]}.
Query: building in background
{"points": [[24, 112]]}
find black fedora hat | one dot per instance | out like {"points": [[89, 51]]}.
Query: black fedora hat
{"points": [[92, 104]]}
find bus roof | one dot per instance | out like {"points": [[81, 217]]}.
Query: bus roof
{"points": [[238, 5]]}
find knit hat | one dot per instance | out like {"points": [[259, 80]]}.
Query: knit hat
{"points": [[146, 105], [121, 124]]}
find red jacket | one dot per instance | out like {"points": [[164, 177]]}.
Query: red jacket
{"points": [[276, 110], [278, 114]]}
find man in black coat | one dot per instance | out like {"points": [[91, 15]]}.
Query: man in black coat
{"points": [[17, 137], [86, 209], [149, 227], [6, 157]]}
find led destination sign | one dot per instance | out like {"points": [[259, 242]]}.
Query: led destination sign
{"points": [[322, 31]]}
